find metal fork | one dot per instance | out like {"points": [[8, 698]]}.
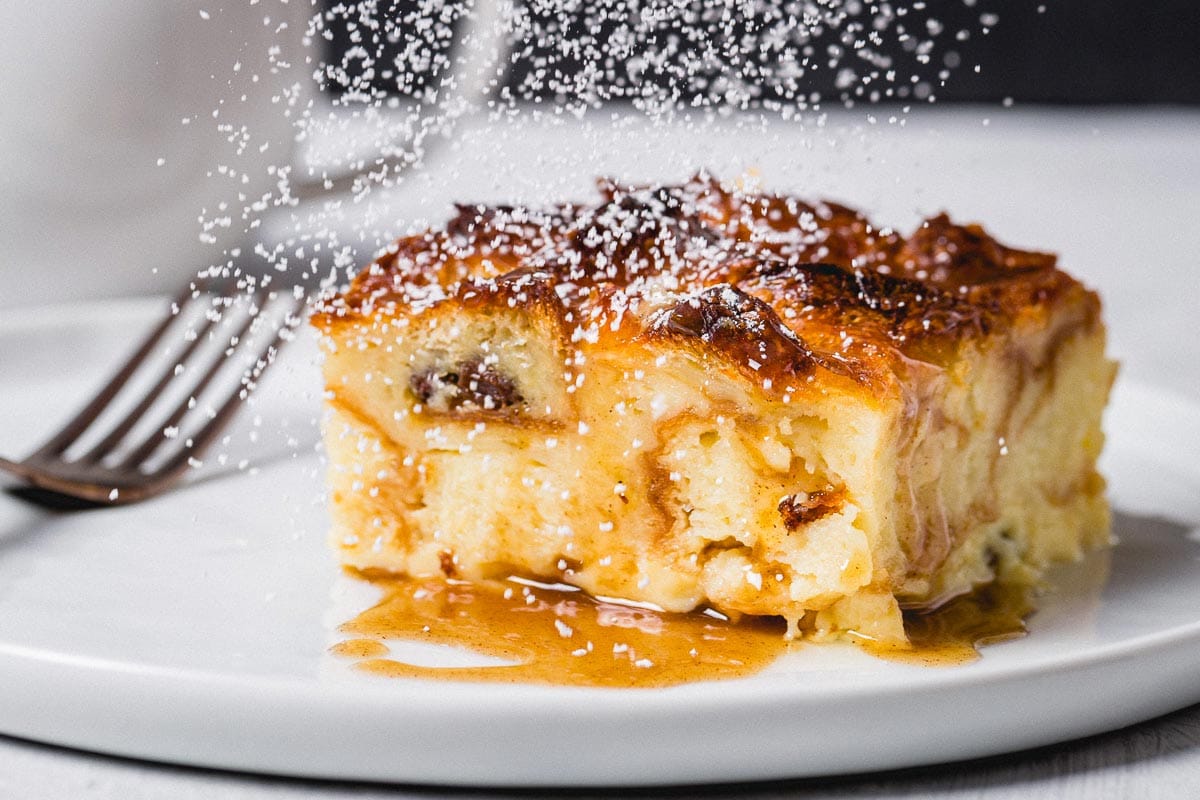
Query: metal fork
{"points": [[123, 468]]}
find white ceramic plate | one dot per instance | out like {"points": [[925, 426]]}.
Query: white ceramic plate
{"points": [[194, 628]]}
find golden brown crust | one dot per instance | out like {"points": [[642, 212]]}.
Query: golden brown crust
{"points": [[779, 287]]}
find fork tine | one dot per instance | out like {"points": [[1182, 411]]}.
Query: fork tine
{"points": [[156, 437], [118, 432], [205, 436], [58, 443]]}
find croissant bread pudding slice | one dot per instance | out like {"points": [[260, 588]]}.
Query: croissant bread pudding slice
{"points": [[694, 396]]}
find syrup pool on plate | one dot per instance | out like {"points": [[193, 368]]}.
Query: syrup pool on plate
{"points": [[556, 634]]}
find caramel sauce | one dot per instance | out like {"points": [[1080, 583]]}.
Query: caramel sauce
{"points": [[360, 648], [952, 634], [556, 634]]}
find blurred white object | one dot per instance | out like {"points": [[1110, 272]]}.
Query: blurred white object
{"points": [[136, 133], [124, 122]]}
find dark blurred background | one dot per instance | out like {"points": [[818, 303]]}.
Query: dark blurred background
{"points": [[1020, 51]]}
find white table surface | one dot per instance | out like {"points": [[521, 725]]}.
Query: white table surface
{"points": [[1115, 192]]}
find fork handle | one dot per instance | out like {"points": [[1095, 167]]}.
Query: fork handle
{"points": [[43, 493], [15, 468], [75, 492]]}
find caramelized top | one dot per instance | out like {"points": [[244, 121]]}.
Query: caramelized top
{"points": [[783, 286]]}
